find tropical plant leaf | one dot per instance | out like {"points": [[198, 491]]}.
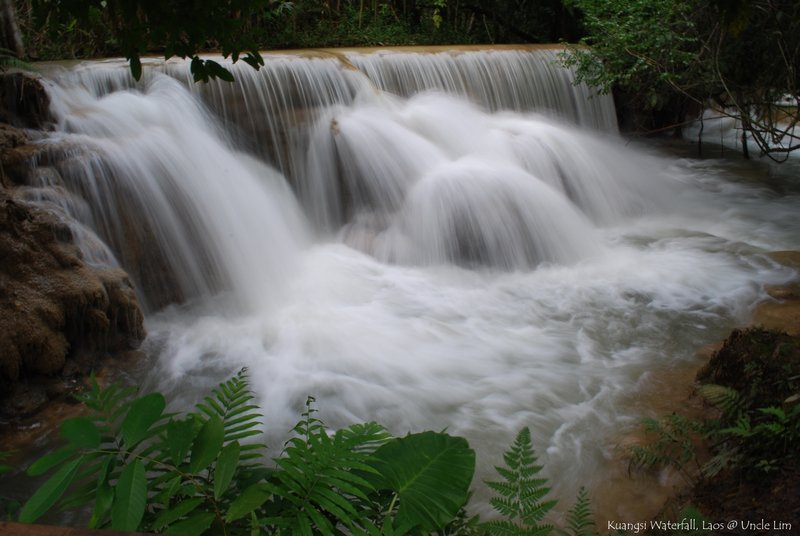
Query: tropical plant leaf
{"points": [[170, 516], [130, 498], [430, 472], [144, 412], [49, 492], [81, 432], [250, 499], [226, 466], [104, 499], [194, 526], [48, 461], [206, 445]]}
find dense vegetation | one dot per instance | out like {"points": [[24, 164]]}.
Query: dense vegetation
{"points": [[752, 436], [679, 56], [140, 468]]}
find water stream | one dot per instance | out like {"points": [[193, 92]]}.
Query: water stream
{"points": [[429, 240]]}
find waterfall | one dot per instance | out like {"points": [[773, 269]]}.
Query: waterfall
{"points": [[430, 239], [371, 147]]}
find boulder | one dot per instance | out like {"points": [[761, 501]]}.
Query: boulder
{"points": [[53, 305]]}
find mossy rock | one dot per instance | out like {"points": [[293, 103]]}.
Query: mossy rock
{"points": [[762, 365]]}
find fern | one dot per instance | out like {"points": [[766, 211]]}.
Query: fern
{"points": [[232, 404], [579, 517], [726, 399], [673, 444], [321, 476], [520, 492]]}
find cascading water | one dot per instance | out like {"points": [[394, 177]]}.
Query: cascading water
{"points": [[427, 262]]}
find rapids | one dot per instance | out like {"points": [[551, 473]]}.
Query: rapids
{"points": [[431, 241]]}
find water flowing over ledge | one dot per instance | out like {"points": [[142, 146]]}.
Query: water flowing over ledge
{"points": [[431, 240]]}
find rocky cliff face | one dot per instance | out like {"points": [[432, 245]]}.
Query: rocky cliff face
{"points": [[54, 306]]}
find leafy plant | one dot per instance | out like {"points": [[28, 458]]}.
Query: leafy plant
{"points": [[144, 469], [673, 444], [580, 520], [520, 492], [759, 442]]}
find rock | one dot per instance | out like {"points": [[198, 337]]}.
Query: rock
{"points": [[52, 304], [24, 101], [27, 400]]}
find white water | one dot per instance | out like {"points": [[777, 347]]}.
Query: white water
{"points": [[451, 268]]}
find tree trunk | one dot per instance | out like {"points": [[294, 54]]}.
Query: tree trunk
{"points": [[10, 36]]}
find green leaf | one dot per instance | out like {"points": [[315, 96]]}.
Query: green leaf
{"points": [[195, 525], [250, 499], [143, 413], [226, 467], [252, 61], [48, 461], [430, 472], [46, 496], [81, 432], [168, 517], [130, 498], [103, 500], [198, 69], [215, 70], [520, 492], [206, 445], [180, 435]]}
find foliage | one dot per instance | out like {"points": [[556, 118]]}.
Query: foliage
{"points": [[678, 55], [753, 441], [644, 47], [672, 445], [579, 518], [141, 468], [757, 430], [55, 29], [177, 28], [520, 492], [144, 469]]}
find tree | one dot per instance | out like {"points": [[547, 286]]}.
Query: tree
{"points": [[179, 28], [10, 36], [679, 55]]}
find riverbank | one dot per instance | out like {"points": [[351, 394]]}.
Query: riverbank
{"points": [[762, 361]]}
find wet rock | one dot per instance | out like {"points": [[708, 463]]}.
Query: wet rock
{"points": [[52, 304], [26, 400]]}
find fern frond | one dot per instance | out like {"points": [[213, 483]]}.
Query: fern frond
{"points": [[321, 476], [579, 517], [231, 402], [727, 399], [520, 494]]}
